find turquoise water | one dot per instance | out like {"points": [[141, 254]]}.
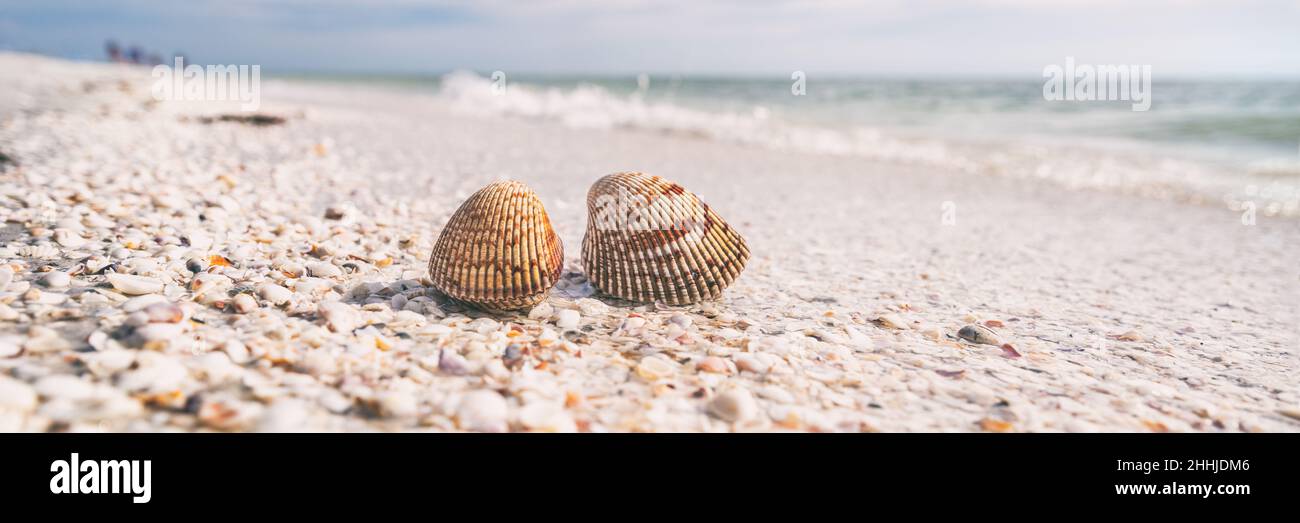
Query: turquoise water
{"points": [[1207, 141], [1239, 122]]}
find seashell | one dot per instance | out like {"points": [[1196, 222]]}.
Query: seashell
{"points": [[891, 321], [164, 312], [322, 269], [482, 411], [567, 319], [339, 316], [979, 334], [648, 239], [42, 251], [734, 405], [245, 303], [68, 238], [275, 294], [139, 303], [498, 252], [135, 285], [56, 279]]}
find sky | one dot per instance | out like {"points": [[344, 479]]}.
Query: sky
{"points": [[1195, 38]]}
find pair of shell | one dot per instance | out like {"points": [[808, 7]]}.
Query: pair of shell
{"points": [[648, 239]]}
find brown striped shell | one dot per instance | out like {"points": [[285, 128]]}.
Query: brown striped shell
{"points": [[498, 252], [648, 239]]}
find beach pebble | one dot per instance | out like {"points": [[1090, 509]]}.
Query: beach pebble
{"points": [[224, 412], [99, 340], [10, 346], [398, 404], [43, 339], [157, 335], [1130, 336], [7, 313], [237, 351], [285, 415], [135, 285], [6, 276], [334, 401], [652, 368], [36, 297], [567, 319], [542, 311], [319, 363], [546, 417], [154, 372], [335, 213], [62, 386], [484, 326], [322, 269], [891, 321], [592, 307], [712, 364], [932, 333], [339, 316], [451, 363], [56, 279], [275, 294], [105, 363], [138, 303], [314, 287], [482, 411], [164, 312], [292, 269], [857, 338], [16, 396], [751, 363], [68, 238], [680, 320], [214, 368], [210, 287], [979, 334], [630, 326], [675, 332], [245, 303], [733, 405], [405, 318]]}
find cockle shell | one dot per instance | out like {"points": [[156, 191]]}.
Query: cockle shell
{"points": [[498, 251], [648, 239]]}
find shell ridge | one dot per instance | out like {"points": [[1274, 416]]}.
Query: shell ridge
{"points": [[487, 255], [670, 246]]}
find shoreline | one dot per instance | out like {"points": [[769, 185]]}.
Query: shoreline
{"points": [[1129, 314]]}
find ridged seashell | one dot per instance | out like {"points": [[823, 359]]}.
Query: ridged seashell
{"points": [[498, 252], [648, 239]]}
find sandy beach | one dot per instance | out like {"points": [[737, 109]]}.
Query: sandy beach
{"points": [[163, 271]]}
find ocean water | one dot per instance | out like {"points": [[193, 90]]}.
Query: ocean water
{"points": [[1215, 141]]}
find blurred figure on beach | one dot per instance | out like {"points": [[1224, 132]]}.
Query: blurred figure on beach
{"points": [[134, 54], [114, 51]]}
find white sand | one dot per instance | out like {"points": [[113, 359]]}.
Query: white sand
{"points": [[1129, 314]]}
